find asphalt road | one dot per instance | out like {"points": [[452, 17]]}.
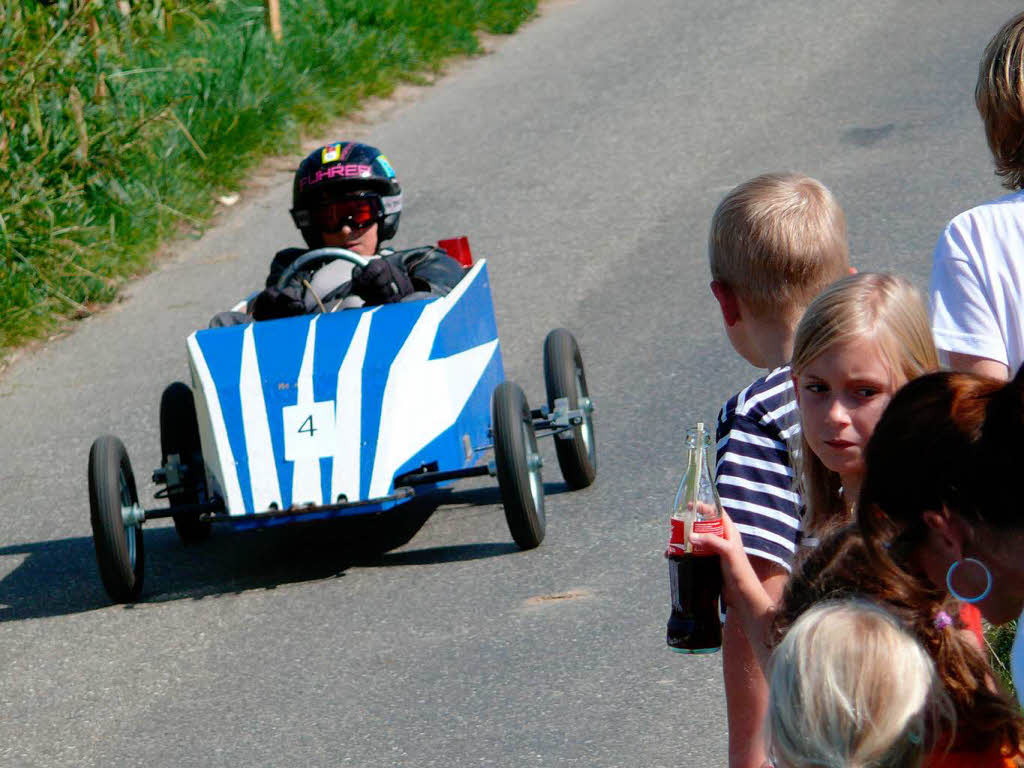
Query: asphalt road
{"points": [[583, 158]]}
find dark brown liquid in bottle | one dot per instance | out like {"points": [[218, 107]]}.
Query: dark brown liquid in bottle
{"points": [[695, 625]]}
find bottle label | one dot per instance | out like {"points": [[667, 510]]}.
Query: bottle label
{"points": [[677, 541]]}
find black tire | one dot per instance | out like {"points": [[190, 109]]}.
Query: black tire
{"points": [[564, 377], [517, 462], [119, 551], [179, 434]]}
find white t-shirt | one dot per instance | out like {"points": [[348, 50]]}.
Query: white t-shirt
{"points": [[1017, 660], [977, 283]]}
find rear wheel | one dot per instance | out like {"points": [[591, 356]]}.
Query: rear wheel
{"points": [[112, 499], [564, 377], [179, 436], [518, 465]]}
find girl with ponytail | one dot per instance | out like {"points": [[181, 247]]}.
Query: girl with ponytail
{"points": [[941, 497]]}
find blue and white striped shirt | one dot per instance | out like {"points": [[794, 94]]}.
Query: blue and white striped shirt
{"points": [[754, 469]]}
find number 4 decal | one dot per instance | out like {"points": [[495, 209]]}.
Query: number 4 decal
{"points": [[307, 426], [308, 430]]}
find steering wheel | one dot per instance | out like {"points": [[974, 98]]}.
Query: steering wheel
{"points": [[317, 258]]}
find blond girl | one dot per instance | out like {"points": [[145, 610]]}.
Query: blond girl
{"points": [[858, 342]]}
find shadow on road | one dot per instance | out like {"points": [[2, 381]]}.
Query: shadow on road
{"points": [[60, 577], [431, 555], [490, 494]]}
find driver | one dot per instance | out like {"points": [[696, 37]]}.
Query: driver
{"points": [[346, 195]]}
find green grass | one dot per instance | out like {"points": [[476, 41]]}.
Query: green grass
{"points": [[118, 131], [1000, 641]]}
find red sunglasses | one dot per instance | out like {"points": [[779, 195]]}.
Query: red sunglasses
{"points": [[355, 213]]}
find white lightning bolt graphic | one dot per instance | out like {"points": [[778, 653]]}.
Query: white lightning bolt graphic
{"points": [[259, 450], [217, 455], [423, 397]]}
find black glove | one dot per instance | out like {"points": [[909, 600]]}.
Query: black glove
{"points": [[381, 282], [272, 303]]}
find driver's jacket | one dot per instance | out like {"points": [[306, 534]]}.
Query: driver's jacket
{"points": [[432, 272]]}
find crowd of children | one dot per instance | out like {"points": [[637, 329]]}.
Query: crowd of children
{"points": [[870, 509]]}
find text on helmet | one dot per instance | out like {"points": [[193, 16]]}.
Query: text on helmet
{"points": [[341, 171]]}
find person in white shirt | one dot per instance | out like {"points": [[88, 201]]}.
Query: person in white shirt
{"points": [[977, 280]]}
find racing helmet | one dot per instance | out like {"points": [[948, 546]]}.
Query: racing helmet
{"points": [[345, 169]]}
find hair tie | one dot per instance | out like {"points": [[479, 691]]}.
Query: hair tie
{"points": [[942, 620]]}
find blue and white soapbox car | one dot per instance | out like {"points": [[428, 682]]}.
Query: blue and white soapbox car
{"points": [[348, 413]]}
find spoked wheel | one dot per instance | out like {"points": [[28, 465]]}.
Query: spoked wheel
{"points": [[112, 501], [518, 464], [564, 377], [179, 435]]}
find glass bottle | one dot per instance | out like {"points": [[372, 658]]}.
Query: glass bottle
{"points": [[695, 575]]}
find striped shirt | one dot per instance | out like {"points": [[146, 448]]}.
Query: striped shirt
{"points": [[754, 472]]}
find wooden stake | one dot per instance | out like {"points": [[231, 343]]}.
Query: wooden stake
{"points": [[100, 92], [274, 19]]}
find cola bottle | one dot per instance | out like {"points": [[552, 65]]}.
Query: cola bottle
{"points": [[695, 575]]}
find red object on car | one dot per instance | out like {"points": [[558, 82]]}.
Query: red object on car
{"points": [[458, 249]]}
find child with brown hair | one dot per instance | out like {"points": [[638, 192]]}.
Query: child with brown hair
{"points": [[977, 282], [776, 241], [942, 495]]}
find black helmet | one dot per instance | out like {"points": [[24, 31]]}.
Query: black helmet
{"points": [[341, 170]]}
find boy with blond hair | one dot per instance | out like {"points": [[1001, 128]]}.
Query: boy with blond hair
{"points": [[977, 281], [776, 241]]}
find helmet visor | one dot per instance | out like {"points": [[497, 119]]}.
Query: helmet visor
{"points": [[353, 212]]}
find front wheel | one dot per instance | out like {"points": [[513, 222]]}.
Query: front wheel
{"points": [[518, 465], [179, 436], [112, 500], [564, 377]]}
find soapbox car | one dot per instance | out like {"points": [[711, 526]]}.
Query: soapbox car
{"points": [[349, 413]]}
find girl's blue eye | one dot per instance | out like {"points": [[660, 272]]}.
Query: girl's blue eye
{"points": [[816, 387]]}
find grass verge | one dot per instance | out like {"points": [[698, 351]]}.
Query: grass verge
{"points": [[120, 122], [1000, 642]]}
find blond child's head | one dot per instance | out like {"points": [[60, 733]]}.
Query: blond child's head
{"points": [[776, 241], [999, 96], [850, 688], [858, 342]]}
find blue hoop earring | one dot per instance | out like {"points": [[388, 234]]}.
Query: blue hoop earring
{"points": [[957, 595]]}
